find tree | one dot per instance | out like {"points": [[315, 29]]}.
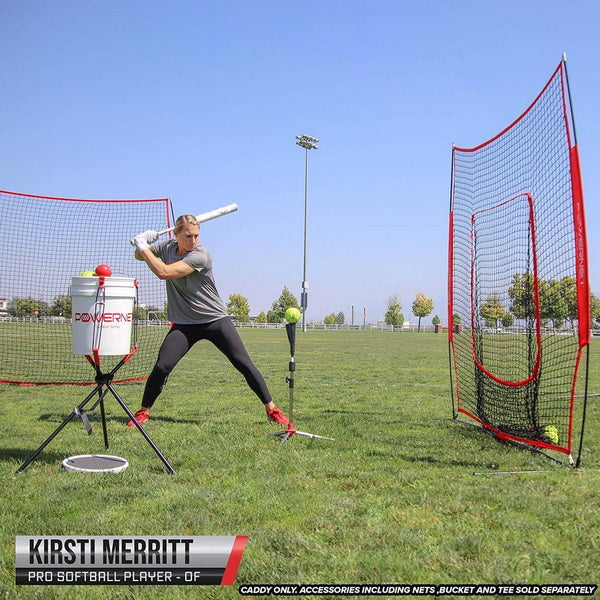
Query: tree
{"points": [[436, 320], [61, 307], [521, 295], [568, 290], [394, 315], [492, 310], [278, 308], [27, 307], [332, 319], [553, 304], [239, 307], [421, 307], [262, 317], [558, 299], [508, 320]]}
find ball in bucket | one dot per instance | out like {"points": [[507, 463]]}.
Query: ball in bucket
{"points": [[87, 274], [103, 271], [292, 314]]}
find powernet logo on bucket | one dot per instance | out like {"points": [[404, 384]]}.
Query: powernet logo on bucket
{"points": [[135, 560], [110, 317]]}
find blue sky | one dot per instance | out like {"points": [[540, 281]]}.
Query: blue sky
{"points": [[201, 102]]}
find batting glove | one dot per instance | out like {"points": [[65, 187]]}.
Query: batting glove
{"points": [[151, 236], [140, 242], [143, 240]]}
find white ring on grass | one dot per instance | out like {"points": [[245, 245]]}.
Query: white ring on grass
{"points": [[95, 463]]}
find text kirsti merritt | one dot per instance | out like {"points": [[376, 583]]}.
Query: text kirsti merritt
{"points": [[115, 551]]}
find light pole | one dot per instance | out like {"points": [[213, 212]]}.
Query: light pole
{"points": [[308, 143]]}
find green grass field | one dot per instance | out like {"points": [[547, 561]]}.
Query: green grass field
{"points": [[404, 494]]}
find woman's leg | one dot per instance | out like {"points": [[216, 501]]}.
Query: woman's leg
{"points": [[174, 347], [225, 337]]}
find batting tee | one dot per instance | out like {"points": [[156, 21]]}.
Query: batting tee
{"points": [[518, 291], [46, 242]]}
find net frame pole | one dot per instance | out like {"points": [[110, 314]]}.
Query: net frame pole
{"points": [[587, 325], [572, 114], [450, 286]]}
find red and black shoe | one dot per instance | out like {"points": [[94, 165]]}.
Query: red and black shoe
{"points": [[141, 416], [276, 416]]}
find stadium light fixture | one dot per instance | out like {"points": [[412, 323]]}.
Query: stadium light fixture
{"points": [[308, 143]]}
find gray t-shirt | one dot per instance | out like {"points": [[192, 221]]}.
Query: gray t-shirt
{"points": [[193, 299]]}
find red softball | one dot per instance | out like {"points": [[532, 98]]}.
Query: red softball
{"points": [[103, 271]]}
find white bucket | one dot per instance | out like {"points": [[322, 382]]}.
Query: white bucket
{"points": [[102, 317]]}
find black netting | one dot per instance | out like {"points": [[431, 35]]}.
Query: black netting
{"points": [[47, 241]]}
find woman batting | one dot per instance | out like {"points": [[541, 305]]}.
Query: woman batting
{"points": [[196, 311]]}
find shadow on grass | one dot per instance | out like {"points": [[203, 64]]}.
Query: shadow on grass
{"points": [[21, 455], [360, 412], [437, 462], [96, 417]]}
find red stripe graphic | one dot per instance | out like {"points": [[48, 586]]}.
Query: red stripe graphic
{"points": [[235, 558]]}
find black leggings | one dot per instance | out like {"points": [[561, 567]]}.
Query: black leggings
{"points": [[181, 338]]}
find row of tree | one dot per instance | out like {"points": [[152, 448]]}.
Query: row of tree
{"points": [[557, 302], [239, 307], [421, 307], [557, 298], [27, 307], [61, 307]]}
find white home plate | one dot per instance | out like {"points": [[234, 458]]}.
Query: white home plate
{"points": [[95, 463]]}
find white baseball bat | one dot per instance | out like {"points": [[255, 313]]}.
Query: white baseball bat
{"points": [[207, 216]]}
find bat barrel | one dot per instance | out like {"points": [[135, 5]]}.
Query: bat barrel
{"points": [[208, 216]]}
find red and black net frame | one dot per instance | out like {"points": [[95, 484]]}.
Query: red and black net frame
{"points": [[538, 153]]}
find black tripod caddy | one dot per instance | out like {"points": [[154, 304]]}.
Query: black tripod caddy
{"points": [[104, 385]]}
